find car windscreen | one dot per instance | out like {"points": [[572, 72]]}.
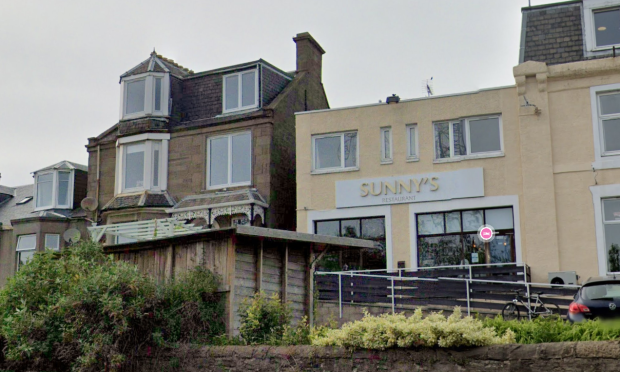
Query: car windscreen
{"points": [[603, 291]]}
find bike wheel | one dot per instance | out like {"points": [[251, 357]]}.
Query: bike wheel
{"points": [[510, 312], [552, 310]]}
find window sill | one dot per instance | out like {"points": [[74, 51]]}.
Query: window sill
{"points": [[226, 187], [340, 170], [244, 110], [412, 159], [469, 157], [387, 161], [607, 162]]}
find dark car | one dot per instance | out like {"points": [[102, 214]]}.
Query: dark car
{"points": [[599, 297]]}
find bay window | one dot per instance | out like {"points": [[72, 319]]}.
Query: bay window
{"points": [[468, 138], [52, 241], [142, 163], [26, 248], [334, 152], [240, 91], [229, 160], [54, 189], [145, 94]]}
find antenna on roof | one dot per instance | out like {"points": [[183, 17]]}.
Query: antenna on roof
{"points": [[427, 87]]}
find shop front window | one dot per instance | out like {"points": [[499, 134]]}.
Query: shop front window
{"points": [[371, 228], [451, 238]]}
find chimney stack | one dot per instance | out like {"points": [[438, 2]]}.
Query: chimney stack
{"points": [[309, 54]]}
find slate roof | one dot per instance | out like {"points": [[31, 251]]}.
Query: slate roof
{"points": [[219, 199], [158, 63], [143, 199], [65, 164], [10, 210]]}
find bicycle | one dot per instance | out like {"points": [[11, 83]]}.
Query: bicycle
{"points": [[538, 308]]}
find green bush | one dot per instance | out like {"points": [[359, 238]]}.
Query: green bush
{"points": [[263, 319], [396, 330], [81, 310], [555, 329]]}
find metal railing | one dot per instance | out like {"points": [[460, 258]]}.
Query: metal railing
{"points": [[467, 281]]}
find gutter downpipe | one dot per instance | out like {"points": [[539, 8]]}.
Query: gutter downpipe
{"points": [[98, 182]]}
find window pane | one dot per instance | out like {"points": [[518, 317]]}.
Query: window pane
{"points": [[611, 208], [472, 220], [24, 257], [612, 244], [500, 219], [63, 188], [442, 140], [25, 242], [611, 134], [156, 153], [412, 149], [350, 228], [459, 136], [157, 94], [501, 249], [484, 135], [242, 157], [373, 228], [135, 97], [610, 104], [134, 166], [45, 185], [218, 161], [453, 222], [52, 241], [327, 152], [429, 224], [232, 92], [350, 150], [607, 26], [386, 145], [248, 89], [331, 228], [440, 250]]}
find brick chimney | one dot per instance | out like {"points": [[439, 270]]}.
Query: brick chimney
{"points": [[309, 54]]}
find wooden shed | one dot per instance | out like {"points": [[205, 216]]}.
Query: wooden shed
{"points": [[247, 258]]}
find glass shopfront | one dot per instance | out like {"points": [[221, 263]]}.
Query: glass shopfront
{"points": [[451, 238], [369, 228]]}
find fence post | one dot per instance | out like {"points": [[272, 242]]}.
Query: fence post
{"points": [[470, 276], [393, 301], [340, 293], [468, 305]]}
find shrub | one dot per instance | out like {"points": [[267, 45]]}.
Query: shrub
{"points": [[396, 330], [555, 330], [263, 319], [81, 310]]}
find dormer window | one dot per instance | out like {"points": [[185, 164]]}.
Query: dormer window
{"points": [[240, 91], [601, 26], [53, 189], [145, 95]]}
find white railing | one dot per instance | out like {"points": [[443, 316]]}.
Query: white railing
{"points": [[468, 281], [145, 230]]}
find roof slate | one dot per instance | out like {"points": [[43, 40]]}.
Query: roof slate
{"points": [[65, 164], [10, 210], [143, 199]]}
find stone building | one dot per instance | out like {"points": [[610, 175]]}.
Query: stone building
{"points": [[539, 160], [37, 216], [215, 147]]}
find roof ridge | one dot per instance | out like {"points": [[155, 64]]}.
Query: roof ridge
{"points": [[172, 62]]}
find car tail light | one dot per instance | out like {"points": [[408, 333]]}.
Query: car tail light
{"points": [[576, 308]]}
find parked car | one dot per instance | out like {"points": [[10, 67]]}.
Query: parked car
{"points": [[599, 297]]}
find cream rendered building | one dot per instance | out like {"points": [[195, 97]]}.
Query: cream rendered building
{"points": [[539, 161]]}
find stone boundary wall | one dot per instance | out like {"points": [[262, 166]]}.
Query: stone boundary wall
{"points": [[570, 356]]}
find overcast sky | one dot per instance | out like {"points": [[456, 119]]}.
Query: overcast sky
{"points": [[61, 60]]}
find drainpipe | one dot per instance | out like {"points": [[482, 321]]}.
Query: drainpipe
{"points": [[98, 182]]}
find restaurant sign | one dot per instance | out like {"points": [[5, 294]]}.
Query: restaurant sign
{"points": [[464, 183]]}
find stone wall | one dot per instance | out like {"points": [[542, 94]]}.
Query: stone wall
{"points": [[570, 356]]}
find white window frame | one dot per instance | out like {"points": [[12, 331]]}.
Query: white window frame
{"points": [[149, 95], [240, 91], [18, 250], [413, 156], [385, 159], [342, 167], [56, 237], [591, 7], [148, 139], [229, 136], [599, 193], [470, 155], [54, 190], [602, 160]]}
